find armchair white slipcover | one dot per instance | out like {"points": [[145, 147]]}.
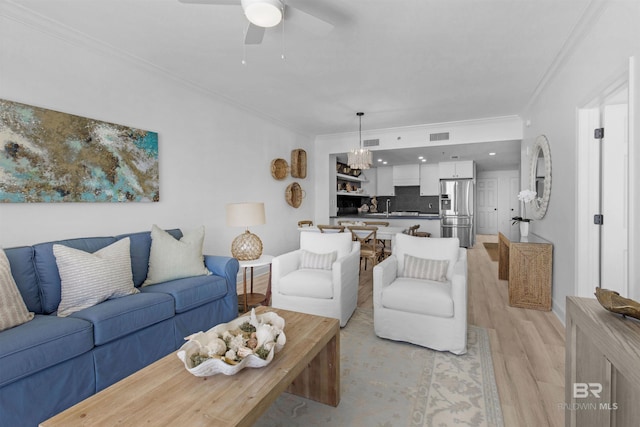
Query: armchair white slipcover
{"points": [[424, 312], [330, 293]]}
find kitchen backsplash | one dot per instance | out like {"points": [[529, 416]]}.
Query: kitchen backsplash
{"points": [[406, 199], [409, 199]]}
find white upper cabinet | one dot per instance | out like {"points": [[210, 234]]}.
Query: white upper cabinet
{"points": [[457, 169], [385, 181], [429, 180], [406, 175]]}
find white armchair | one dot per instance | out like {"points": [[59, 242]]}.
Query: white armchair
{"points": [[409, 306], [331, 291]]}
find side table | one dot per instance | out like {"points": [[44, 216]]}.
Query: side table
{"points": [[252, 299]]}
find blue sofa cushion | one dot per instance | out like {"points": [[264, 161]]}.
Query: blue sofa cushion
{"points": [[24, 273], [47, 269], [191, 292], [43, 342], [115, 318], [140, 249]]}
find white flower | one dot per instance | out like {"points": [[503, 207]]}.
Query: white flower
{"points": [[527, 196], [231, 355]]}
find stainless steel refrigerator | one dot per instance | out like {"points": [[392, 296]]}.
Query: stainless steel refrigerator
{"points": [[456, 210]]}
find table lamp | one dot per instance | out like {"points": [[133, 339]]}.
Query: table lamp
{"points": [[246, 246]]}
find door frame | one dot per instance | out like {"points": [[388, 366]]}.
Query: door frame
{"points": [[587, 234]]}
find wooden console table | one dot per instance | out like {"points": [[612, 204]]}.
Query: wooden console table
{"points": [[527, 265], [602, 379]]}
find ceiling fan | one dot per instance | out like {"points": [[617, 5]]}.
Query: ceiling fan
{"points": [[263, 14]]}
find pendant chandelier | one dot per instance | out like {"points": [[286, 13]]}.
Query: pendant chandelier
{"points": [[360, 158]]}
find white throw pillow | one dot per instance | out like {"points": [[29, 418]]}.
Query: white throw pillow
{"points": [[172, 259], [87, 279], [317, 261], [443, 248], [426, 269], [13, 311]]}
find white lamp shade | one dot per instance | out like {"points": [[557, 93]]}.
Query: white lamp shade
{"points": [[245, 214], [263, 13]]}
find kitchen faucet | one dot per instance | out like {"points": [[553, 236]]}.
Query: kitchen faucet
{"points": [[388, 204]]}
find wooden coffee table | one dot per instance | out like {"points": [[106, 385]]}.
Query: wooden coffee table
{"points": [[165, 393]]}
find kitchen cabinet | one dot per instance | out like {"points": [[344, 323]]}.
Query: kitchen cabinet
{"points": [[369, 185], [429, 180], [464, 169], [404, 175], [385, 181]]}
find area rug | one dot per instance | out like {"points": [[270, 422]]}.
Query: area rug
{"points": [[492, 250], [387, 384]]}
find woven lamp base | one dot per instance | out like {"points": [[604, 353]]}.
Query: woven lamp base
{"points": [[246, 247]]}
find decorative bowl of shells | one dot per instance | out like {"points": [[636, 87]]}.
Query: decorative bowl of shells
{"points": [[227, 348]]}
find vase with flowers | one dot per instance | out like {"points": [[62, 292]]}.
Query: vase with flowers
{"points": [[526, 197]]}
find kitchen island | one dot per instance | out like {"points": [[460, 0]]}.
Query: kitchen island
{"points": [[428, 222]]}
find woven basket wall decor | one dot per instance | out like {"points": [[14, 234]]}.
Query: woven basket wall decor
{"points": [[299, 163], [279, 169], [294, 194]]}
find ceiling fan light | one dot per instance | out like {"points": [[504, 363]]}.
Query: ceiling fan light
{"points": [[263, 13]]}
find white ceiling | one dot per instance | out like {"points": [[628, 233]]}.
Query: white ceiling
{"points": [[506, 155], [403, 62]]}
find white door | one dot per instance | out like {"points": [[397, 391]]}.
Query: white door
{"points": [[487, 206], [614, 242], [602, 256]]}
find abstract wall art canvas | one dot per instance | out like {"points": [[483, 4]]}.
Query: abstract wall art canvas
{"points": [[49, 156]]}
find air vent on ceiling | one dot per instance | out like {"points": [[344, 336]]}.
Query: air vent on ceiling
{"points": [[371, 142], [443, 136]]}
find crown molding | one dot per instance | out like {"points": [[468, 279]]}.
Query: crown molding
{"points": [[590, 15]]}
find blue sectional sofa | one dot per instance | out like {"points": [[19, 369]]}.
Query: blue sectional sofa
{"points": [[50, 363]]}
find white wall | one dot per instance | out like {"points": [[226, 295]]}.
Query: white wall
{"points": [[608, 39], [210, 153]]}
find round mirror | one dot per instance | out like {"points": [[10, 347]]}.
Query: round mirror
{"points": [[540, 179]]}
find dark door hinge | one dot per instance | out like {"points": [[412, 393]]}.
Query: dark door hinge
{"points": [[598, 133], [598, 219]]}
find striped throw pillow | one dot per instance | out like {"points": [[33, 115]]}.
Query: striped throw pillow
{"points": [[87, 279], [13, 311], [317, 261], [427, 269]]}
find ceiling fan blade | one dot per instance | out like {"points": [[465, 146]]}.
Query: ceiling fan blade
{"points": [[307, 21], [254, 34], [213, 2]]}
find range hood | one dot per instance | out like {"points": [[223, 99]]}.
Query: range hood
{"points": [[406, 175]]}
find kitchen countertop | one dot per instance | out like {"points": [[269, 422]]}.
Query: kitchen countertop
{"points": [[383, 215]]}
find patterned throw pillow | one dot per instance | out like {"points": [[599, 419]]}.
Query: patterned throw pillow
{"points": [[172, 259], [13, 311], [317, 261], [427, 269], [88, 279]]}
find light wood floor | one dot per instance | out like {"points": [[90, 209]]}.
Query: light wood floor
{"points": [[527, 346]]}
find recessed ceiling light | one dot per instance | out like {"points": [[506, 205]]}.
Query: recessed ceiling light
{"points": [[492, 154], [421, 157], [384, 163], [379, 160], [424, 160]]}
